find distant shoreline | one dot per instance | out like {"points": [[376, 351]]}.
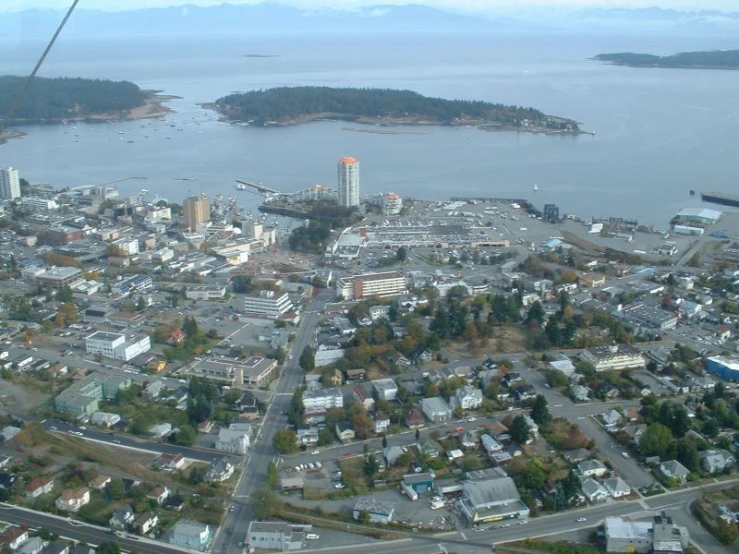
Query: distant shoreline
{"points": [[153, 107], [370, 122], [711, 60]]}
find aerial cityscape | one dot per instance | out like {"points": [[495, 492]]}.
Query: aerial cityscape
{"points": [[410, 304]]}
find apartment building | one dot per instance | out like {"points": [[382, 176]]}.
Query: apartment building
{"points": [[358, 287]]}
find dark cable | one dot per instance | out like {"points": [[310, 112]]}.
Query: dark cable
{"points": [[27, 83]]}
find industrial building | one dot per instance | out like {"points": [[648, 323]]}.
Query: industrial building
{"points": [[724, 367], [379, 511], [117, 345], [699, 216], [659, 535], [359, 287], [490, 495], [348, 182]]}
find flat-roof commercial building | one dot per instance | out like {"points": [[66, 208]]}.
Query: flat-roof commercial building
{"points": [[380, 511], [83, 397], [58, 277], [205, 292], [701, 216], [659, 535], [276, 535], [613, 357], [117, 345], [268, 304], [358, 287], [323, 399], [255, 371]]}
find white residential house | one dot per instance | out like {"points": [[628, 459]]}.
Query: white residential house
{"points": [[73, 499], [191, 534], [611, 418], [146, 522], [617, 487], [672, 469], [467, 398], [38, 486], [220, 471], [380, 423], [236, 439], [591, 468], [715, 461], [594, 491]]}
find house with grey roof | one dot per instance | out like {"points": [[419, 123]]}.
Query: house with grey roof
{"points": [[617, 487], [674, 469], [715, 461], [436, 409], [594, 491], [591, 468]]}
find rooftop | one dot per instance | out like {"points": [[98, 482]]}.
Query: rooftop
{"points": [[374, 506], [616, 527]]}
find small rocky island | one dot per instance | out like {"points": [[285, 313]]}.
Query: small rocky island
{"points": [[382, 107], [62, 99], [712, 59]]}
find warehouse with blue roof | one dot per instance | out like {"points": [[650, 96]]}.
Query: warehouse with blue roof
{"points": [[724, 367]]}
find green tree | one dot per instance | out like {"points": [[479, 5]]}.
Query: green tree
{"points": [[371, 466], [540, 411], [687, 454], [197, 475], [555, 378], [186, 435], [402, 254], [384, 441], [264, 502], [273, 476], [533, 477], [140, 304], [726, 532], [520, 430], [307, 359], [116, 489], [108, 547], [285, 441], [363, 517], [656, 440]]}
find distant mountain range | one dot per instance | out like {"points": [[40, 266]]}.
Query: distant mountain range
{"points": [[273, 18]]}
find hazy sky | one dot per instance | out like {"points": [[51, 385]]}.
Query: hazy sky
{"points": [[465, 5]]}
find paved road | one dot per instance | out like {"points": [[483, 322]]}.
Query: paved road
{"points": [[262, 452], [82, 532], [125, 441], [562, 406], [472, 542]]}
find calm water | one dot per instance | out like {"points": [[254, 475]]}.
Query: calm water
{"points": [[659, 133]]}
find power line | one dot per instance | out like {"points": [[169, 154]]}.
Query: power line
{"points": [[27, 83]]}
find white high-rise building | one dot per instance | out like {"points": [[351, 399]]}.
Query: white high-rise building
{"points": [[10, 183], [348, 182]]}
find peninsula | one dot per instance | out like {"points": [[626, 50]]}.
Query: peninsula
{"points": [[712, 59], [385, 107], [62, 99]]}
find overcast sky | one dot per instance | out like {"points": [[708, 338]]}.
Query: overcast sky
{"points": [[464, 5]]}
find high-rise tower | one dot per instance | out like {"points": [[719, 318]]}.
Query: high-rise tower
{"points": [[10, 184], [348, 182]]}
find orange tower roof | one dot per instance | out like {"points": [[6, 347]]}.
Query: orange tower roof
{"points": [[348, 160]]}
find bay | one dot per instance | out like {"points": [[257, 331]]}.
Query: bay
{"points": [[659, 133]]}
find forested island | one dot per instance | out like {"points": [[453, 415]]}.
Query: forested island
{"points": [[55, 100], [713, 59], [295, 105]]}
